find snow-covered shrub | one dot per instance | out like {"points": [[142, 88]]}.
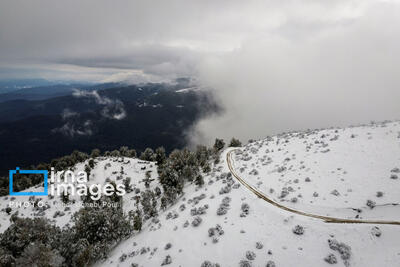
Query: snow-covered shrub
{"points": [[298, 230], [182, 207], [393, 176], [245, 210], [236, 186], [217, 230], [209, 264], [222, 210], [371, 204], [253, 172], [335, 192], [197, 199], [342, 248], [168, 246], [284, 193], [245, 263], [224, 206], [246, 157], [281, 169], [271, 190], [123, 257], [379, 194], [331, 259], [315, 194], [225, 190], [196, 221], [259, 245], [395, 170], [144, 250], [250, 255], [167, 260], [270, 264], [198, 211], [375, 231]]}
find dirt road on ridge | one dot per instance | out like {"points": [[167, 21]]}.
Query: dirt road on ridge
{"points": [[326, 219]]}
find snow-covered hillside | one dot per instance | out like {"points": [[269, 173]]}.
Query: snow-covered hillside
{"points": [[336, 172], [327, 172], [237, 228]]}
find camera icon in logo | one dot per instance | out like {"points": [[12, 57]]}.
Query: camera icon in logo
{"points": [[17, 170]]}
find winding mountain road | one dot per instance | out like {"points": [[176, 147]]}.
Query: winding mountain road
{"points": [[326, 219]]}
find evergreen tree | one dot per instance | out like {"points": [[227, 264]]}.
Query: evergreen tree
{"points": [[127, 184], [206, 168], [160, 156], [137, 221], [88, 170], [65, 197], [235, 142], [147, 179], [8, 210], [164, 203], [115, 153], [91, 163], [147, 154], [132, 153], [124, 151], [149, 204], [219, 144], [199, 181], [114, 197], [157, 191], [95, 153]]}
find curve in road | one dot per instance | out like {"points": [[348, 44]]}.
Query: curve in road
{"points": [[326, 219]]}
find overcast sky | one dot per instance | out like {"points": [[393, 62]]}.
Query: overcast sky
{"points": [[273, 65]]}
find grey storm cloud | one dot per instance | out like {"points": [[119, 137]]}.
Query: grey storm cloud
{"points": [[272, 65]]}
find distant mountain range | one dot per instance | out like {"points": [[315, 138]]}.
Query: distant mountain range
{"points": [[49, 91], [11, 85], [150, 115]]}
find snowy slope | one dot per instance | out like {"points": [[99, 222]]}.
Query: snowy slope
{"points": [[368, 158], [357, 163], [330, 172]]}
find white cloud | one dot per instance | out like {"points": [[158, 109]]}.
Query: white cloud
{"points": [[113, 108], [67, 113]]}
